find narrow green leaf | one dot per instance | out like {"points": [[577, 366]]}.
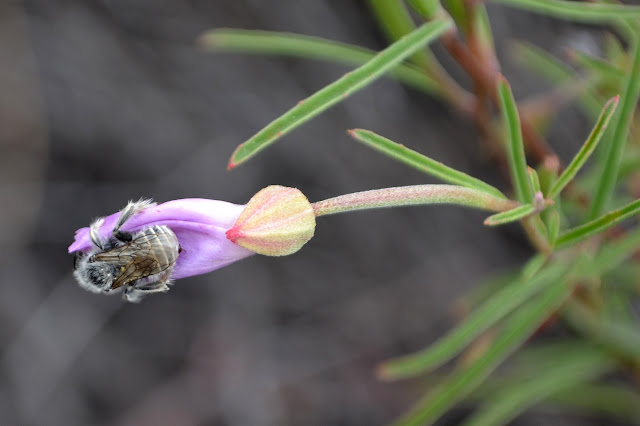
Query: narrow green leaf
{"points": [[609, 175], [301, 46], [515, 145], [587, 149], [567, 371], [603, 223], [485, 316], [577, 11], [340, 89], [522, 324], [551, 218], [534, 179], [421, 162], [509, 216]]}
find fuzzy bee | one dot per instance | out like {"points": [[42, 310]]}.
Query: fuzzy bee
{"points": [[141, 262]]}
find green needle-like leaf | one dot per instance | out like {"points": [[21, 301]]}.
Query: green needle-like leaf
{"points": [[523, 323], [587, 149], [340, 89], [615, 148], [301, 46], [509, 216], [485, 316], [515, 145], [603, 223], [577, 10], [566, 371], [421, 162]]}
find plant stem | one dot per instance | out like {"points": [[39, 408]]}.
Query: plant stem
{"points": [[410, 196]]}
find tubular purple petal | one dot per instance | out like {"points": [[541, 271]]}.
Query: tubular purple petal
{"points": [[199, 224]]}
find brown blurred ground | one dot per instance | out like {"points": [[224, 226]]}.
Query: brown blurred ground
{"points": [[105, 101]]}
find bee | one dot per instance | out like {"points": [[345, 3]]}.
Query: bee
{"points": [[141, 263]]}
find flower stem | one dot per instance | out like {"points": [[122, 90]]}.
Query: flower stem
{"points": [[411, 196]]}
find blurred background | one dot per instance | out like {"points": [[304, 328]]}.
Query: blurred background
{"points": [[110, 100]]}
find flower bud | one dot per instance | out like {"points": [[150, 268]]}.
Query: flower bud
{"points": [[277, 221]]}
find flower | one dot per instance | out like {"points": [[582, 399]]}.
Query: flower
{"points": [[199, 224]]}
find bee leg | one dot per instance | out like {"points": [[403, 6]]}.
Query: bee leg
{"points": [[93, 232], [130, 209], [135, 294]]}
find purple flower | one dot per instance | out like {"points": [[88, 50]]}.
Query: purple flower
{"points": [[199, 224]]}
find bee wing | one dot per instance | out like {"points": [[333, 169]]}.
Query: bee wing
{"points": [[135, 258]]}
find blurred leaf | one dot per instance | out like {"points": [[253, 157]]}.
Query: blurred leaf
{"points": [[601, 67], [421, 162], [458, 12], [613, 48], [618, 306], [340, 89], [515, 145], [542, 109], [625, 276], [301, 46], [522, 324], [533, 265], [613, 253], [615, 148], [554, 70], [587, 148], [566, 371], [586, 398], [616, 401], [614, 337], [485, 316], [428, 9], [395, 20], [541, 62], [510, 216], [483, 32], [597, 226], [577, 11]]}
